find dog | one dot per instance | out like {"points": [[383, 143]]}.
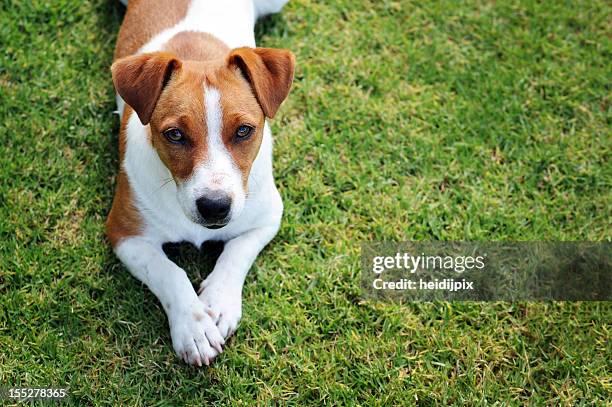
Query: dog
{"points": [[195, 150]]}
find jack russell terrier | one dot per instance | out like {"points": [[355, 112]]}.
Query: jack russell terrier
{"points": [[196, 155]]}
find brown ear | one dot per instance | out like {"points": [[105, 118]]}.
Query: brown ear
{"points": [[140, 79], [270, 72]]}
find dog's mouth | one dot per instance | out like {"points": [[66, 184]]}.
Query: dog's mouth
{"points": [[214, 225]]}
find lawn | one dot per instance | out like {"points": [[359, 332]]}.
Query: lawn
{"points": [[408, 120]]}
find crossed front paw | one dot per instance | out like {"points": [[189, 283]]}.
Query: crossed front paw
{"points": [[195, 335], [225, 301]]}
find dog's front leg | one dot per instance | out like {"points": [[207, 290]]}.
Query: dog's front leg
{"points": [[195, 337], [222, 289]]}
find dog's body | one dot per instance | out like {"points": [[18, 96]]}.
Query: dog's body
{"points": [[196, 155]]}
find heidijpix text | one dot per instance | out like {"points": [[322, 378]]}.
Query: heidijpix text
{"points": [[422, 262]]}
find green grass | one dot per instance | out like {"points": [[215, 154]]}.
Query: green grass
{"points": [[424, 120]]}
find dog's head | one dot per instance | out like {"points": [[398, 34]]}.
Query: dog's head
{"points": [[207, 120]]}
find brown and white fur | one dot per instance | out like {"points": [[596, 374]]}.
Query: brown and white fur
{"points": [[190, 81]]}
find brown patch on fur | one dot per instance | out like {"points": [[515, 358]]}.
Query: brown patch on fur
{"points": [[181, 107], [197, 316], [196, 46], [240, 107], [264, 80], [144, 19], [124, 219]]}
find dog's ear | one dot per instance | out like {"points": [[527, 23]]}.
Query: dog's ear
{"points": [[269, 71], [140, 79]]}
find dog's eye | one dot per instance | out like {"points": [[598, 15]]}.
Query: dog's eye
{"points": [[174, 136], [244, 132]]}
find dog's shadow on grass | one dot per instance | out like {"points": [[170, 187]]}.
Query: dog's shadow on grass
{"points": [[197, 262]]}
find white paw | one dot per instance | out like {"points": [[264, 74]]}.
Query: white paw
{"points": [[195, 337], [225, 301]]}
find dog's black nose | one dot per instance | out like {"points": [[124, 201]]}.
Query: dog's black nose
{"points": [[214, 207]]}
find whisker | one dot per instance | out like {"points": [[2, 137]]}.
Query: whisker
{"points": [[164, 183]]}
